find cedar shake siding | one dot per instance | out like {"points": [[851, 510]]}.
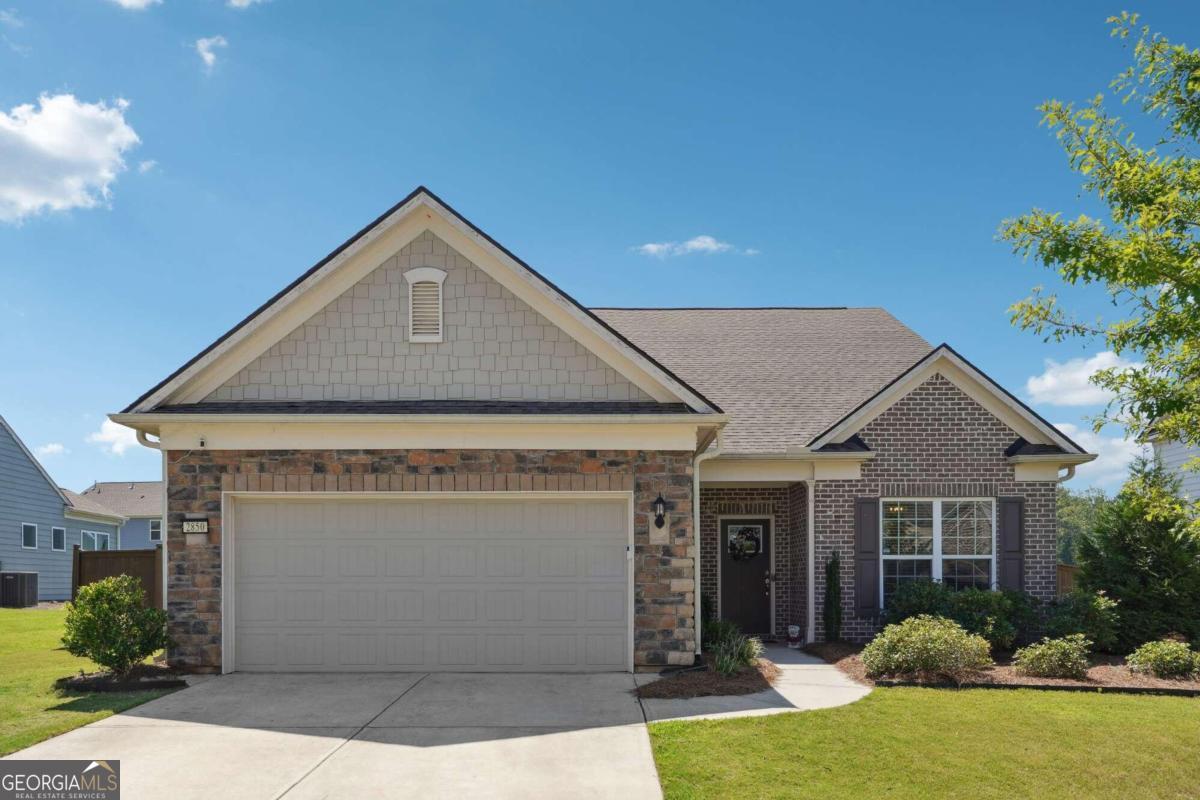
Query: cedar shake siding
{"points": [[664, 580], [934, 442]]}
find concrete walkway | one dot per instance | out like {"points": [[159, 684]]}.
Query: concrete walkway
{"points": [[805, 683]]}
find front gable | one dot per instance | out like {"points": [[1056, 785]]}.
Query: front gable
{"points": [[494, 345], [356, 275]]}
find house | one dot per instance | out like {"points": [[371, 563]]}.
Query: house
{"points": [[422, 454], [1176, 456], [40, 521], [140, 502]]}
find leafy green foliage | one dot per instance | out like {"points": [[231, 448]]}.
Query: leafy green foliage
{"points": [[1145, 555], [1092, 614], [1165, 659], [1147, 255], [833, 598], [735, 653], [1077, 512], [926, 648], [717, 631], [1064, 657], [1001, 617], [109, 624], [708, 608]]}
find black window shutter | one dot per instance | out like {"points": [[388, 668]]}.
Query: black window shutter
{"points": [[1010, 540], [866, 556]]}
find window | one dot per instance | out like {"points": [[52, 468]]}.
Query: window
{"points": [[156, 530], [952, 541], [425, 304], [94, 540], [29, 536], [58, 538]]}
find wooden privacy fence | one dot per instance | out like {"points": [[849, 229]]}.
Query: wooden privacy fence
{"points": [[1066, 578], [89, 566]]}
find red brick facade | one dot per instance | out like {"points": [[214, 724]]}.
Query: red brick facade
{"points": [[664, 600]]}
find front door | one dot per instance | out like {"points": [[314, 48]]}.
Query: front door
{"points": [[746, 574]]}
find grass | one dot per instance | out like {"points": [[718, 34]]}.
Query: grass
{"points": [[925, 743], [31, 659]]}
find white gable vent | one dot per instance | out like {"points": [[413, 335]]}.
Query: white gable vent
{"points": [[425, 304]]}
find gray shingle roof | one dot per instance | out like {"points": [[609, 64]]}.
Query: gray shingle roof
{"points": [[128, 498], [91, 505], [782, 374]]}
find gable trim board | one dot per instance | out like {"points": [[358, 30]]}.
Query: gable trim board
{"points": [[977, 385], [362, 254]]}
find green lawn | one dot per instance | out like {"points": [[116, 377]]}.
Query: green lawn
{"points": [[31, 659], [927, 743]]}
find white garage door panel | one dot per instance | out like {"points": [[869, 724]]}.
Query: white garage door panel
{"points": [[431, 584]]}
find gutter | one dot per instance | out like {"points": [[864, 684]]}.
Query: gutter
{"points": [[712, 452]]}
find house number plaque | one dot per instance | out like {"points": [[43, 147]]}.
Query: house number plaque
{"points": [[195, 526]]}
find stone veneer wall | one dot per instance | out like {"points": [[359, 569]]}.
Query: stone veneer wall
{"points": [[664, 578], [779, 502], [495, 346], [934, 442]]}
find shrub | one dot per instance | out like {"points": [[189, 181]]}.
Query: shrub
{"points": [[1165, 659], [833, 599], [708, 608], [717, 632], [1093, 614], [1144, 553], [109, 624], [1000, 617], [1065, 657], [926, 648], [735, 653]]}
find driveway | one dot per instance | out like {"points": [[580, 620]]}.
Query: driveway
{"points": [[362, 736]]}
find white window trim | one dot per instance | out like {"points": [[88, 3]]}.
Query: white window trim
{"points": [[427, 275], [95, 534], [150, 530], [936, 556], [36, 534], [54, 530]]}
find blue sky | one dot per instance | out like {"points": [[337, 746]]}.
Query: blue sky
{"points": [[836, 154]]}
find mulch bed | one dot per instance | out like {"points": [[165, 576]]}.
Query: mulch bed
{"points": [[707, 682], [141, 678], [1107, 673]]}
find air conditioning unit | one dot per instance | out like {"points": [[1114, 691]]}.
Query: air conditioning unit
{"points": [[18, 589]]}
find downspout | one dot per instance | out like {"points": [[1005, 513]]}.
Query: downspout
{"points": [[810, 633], [1070, 474], [710, 452], [145, 442]]}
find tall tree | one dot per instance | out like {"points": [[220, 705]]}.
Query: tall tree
{"points": [[1147, 254], [1077, 514]]}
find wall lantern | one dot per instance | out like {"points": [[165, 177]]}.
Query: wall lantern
{"points": [[660, 511]]}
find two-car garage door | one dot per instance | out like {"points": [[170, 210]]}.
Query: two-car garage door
{"points": [[429, 583]]}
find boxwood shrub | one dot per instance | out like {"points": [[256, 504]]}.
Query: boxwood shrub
{"points": [[1165, 658], [926, 648], [1002, 617], [1093, 614], [1064, 657]]}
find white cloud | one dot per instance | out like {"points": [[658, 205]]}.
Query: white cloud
{"points": [[697, 244], [243, 3], [61, 154], [1113, 454], [10, 19], [205, 47], [1069, 384], [136, 5], [51, 449], [113, 438], [147, 165]]}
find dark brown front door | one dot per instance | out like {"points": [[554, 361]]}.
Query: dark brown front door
{"points": [[746, 573]]}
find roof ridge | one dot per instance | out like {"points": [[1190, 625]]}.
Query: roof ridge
{"points": [[733, 308]]}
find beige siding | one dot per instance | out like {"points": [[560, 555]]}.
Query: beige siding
{"points": [[495, 346]]}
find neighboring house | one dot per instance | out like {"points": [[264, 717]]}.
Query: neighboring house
{"points": [[423, 455], [1176, 456], [140, 502], [40, 522]]}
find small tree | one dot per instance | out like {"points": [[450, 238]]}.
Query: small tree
{"points": [[1145, 555], [109, 623], [833, 598]]}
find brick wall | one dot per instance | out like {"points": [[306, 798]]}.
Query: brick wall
{"points": [[664, 580], [787, 505], [496, 347], [934, 442]]}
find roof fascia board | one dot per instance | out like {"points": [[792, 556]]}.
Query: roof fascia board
{"points": [[150, 422], [1053, 458], [91, 516], [58, 491], [973, 382], [368, 250]]}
